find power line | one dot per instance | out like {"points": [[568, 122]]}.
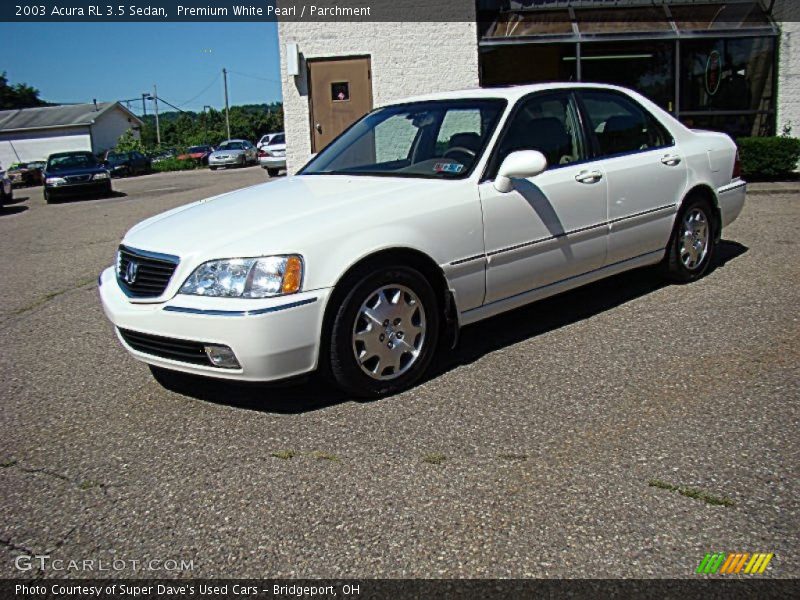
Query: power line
{"points": [[205, 89], [271, 80]]}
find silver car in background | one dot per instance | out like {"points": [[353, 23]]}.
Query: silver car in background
{"points": [[233, 153], [272, 155]]}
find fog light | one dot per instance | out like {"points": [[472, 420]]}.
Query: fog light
{"points": [[222, 356]]}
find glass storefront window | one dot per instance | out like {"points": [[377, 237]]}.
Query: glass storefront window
{"points": [[727, 74], [527, 63], [647, 67]]}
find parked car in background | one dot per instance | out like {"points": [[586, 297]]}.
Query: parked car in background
{"points": [[198, 153], [384, 244], [267, 138], [233, 153], [125, 164], [73, 174], [165, 154], [272, 155], [26, 174], [6, 189]]}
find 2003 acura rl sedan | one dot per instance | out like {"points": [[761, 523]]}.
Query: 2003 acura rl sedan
{"points": [[422, 217]]}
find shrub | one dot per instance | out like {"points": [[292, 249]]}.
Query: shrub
{"points": [[173, 164], [769, 157]]}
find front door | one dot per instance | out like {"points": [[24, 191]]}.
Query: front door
{"points": [[340, 93], [553, 226]]}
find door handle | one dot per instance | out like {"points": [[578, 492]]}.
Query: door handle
{"points": [[318, 127], [671, 160], [588, 177]]}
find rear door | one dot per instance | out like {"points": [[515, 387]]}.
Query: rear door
{"points": [[340, 94], [645, 169]]}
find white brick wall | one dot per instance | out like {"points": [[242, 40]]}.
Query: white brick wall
{"points": [[407, 59], [788, 69]]}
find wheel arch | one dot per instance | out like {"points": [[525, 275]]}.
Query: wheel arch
{"points": [[400, 255], [705, 191]]}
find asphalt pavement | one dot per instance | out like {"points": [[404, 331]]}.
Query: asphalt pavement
{"points": [[621, 430]]}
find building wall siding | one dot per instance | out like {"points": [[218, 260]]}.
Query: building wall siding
{"points": [[109, 127], [788, 70], [27, 146], [407, 59]]}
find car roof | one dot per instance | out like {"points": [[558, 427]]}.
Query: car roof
{"points": [[73, 153], [510, 93]]}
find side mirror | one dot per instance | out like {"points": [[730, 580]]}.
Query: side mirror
{"points": [[520, 164]]}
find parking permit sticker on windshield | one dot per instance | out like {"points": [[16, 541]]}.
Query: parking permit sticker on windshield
{"points": [[442, 167]]}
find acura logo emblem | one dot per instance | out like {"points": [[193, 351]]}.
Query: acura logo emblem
{"points": [[130, 272]]}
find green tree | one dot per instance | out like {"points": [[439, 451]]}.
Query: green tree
{"points": [[20, 95], [128, 142]]}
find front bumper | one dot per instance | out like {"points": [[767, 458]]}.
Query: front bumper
{"points": [[224, 162], [272, 162], [74, 189], [272, 338], [731, 201]]}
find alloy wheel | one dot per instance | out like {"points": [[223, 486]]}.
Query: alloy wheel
{"points": [[694, 240]]}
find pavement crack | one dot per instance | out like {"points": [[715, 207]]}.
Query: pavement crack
{"points": [[16, 547]]}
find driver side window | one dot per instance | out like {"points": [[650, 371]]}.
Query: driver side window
{"points": [[547, 123]]}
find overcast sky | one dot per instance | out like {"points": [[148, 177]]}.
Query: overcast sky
{"points": [[77, 62]]}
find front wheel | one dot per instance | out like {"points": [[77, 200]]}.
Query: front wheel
{"points": [[384, 332], [691, 247]]}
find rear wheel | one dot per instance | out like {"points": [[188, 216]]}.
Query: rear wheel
{"points": [[384, 332], [273, 172], [691, 247]]}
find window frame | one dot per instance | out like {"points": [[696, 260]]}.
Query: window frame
{"points": [[591, 135], [493, 163]]}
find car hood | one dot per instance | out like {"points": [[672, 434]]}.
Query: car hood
{"points": [[274, 218], [73, 172]]}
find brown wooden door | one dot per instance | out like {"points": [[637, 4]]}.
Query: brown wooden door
{"points": [[341, 93]]}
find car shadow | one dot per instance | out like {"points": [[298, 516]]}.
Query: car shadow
{"points": [[87, 198], [12, 210], [314, 393], [16, 200]]}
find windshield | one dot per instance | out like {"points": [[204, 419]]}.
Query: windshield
{"points": [[197, 149], [231, 146], [71, 161], [116, 158], [440, 139]]}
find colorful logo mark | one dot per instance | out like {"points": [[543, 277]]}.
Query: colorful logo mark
{"points": [[726, 563]]}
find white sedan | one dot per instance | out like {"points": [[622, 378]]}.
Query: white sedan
{"points": [[423, 217], [272, 155]]}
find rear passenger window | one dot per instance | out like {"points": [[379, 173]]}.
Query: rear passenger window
{"points": [[620, 126]]}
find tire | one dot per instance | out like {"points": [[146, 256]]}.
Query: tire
{"points": [[212, 168], [48, 198], [273, 172], [402, 298], [244, 161], [693, 242]]}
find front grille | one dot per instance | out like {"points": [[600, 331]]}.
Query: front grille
{"points": [[78, 178], [156, 345], [151, 273]]}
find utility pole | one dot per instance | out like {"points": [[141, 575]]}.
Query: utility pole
{"points": [[144, 105], [227, 112], [155, 104]]}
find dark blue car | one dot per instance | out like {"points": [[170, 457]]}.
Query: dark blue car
{"points": [[74, 174]]}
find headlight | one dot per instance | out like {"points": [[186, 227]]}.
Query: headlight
{"points": [[100, 176], [246, 277], [55, 180]]}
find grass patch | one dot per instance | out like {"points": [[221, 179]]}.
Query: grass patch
{"points": [[692, 493], [88, 484], [319, 455], [7, 462], [284, 454], [512, 456], [434, 458]]}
